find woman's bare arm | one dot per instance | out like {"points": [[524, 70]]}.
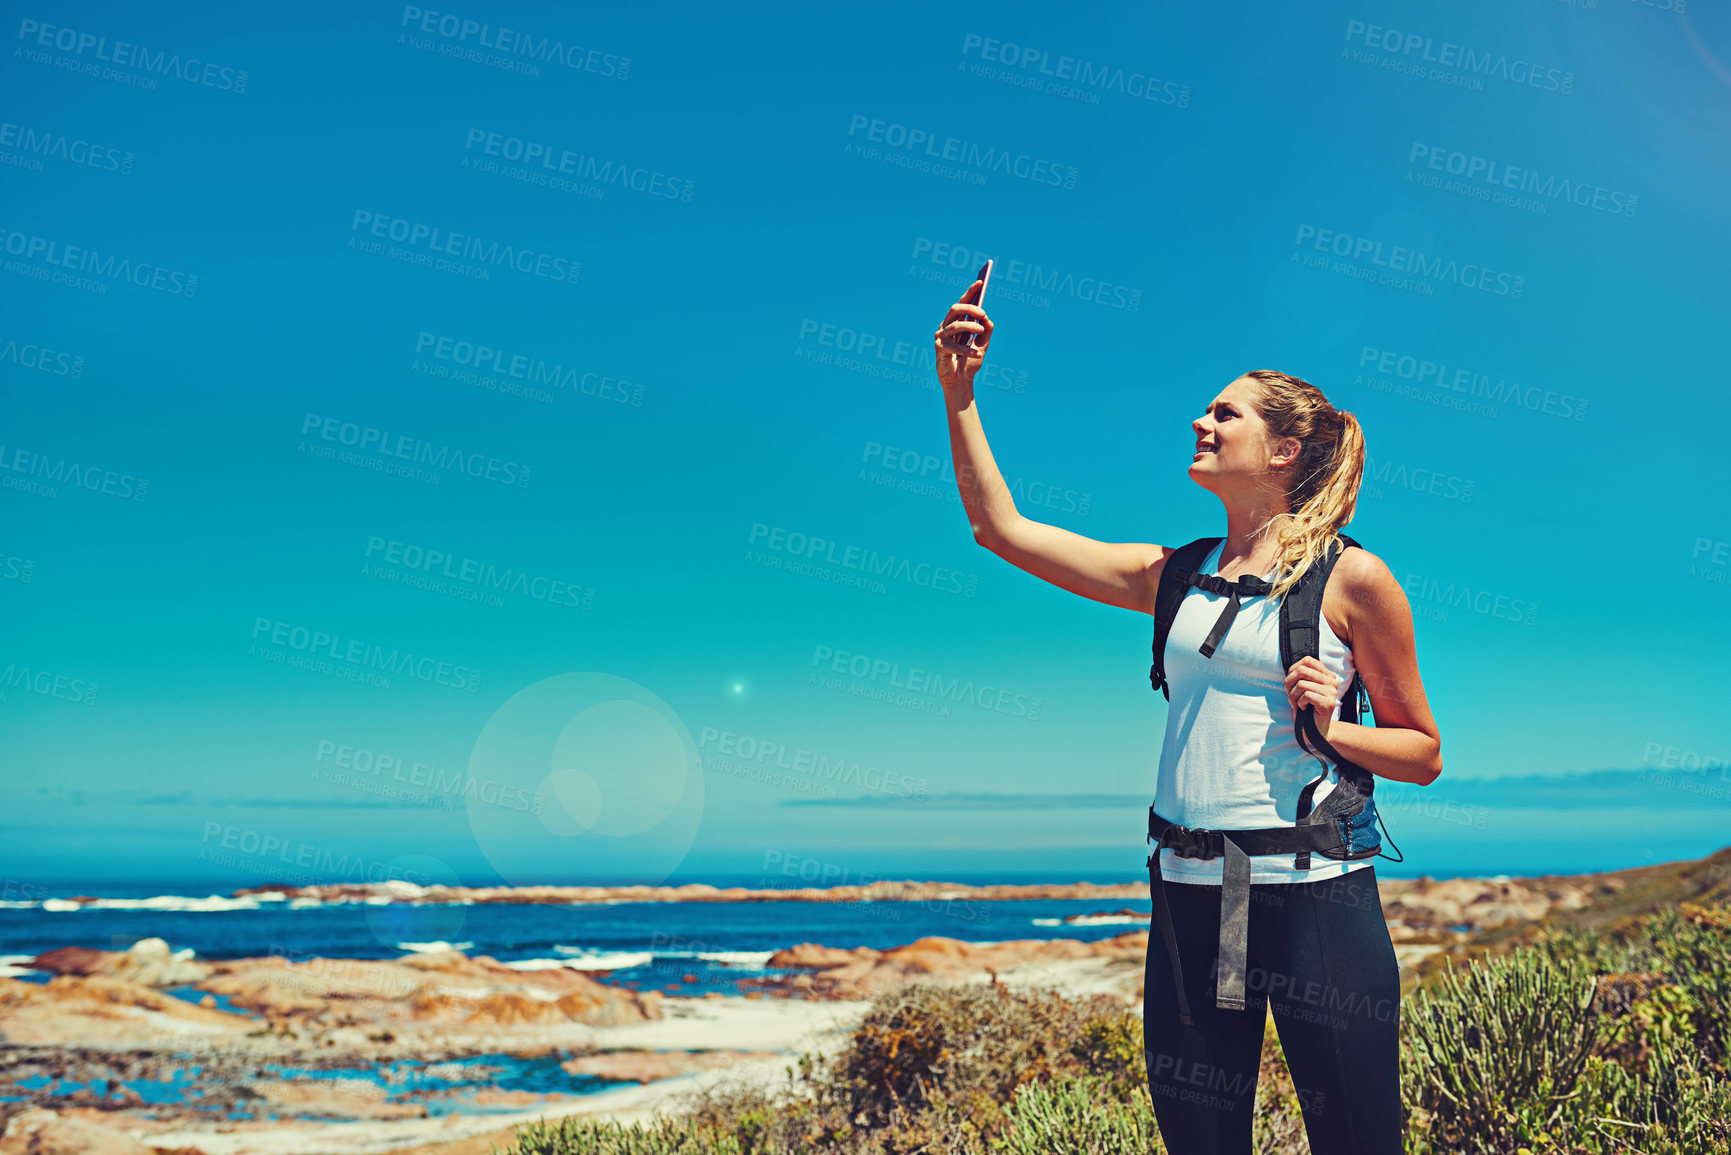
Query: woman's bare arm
{"points": [[1124, 574], [1405, 744]]}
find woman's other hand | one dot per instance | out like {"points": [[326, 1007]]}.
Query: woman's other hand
{"points": [[1309, 683]]}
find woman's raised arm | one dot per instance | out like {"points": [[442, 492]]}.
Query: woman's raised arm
{"points": [[1124, 574]]}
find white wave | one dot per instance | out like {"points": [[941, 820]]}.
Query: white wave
{"points": [[10, 968], [18, 904], [167, 903], [593, 959], [1093, 920], [588, 959], [1108, 920], [434, 947], [305, 903], [737, 958], [619, 960]]}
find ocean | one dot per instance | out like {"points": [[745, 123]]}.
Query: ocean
{"points": [[685, 948]]}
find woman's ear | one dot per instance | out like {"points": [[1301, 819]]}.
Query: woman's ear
{"points": [[1286, 451]]}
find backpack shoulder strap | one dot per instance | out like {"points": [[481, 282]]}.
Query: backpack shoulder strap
{"points": [[1301, 609], [1301, 637], [1174, 584]]}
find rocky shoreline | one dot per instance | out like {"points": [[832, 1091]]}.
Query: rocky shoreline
{"points": [[880, 891], [150, 1049]]}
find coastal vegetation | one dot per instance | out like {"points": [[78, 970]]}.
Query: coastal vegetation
{"points": [[1580, 1038]]}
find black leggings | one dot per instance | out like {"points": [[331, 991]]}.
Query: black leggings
{"points": [[1321, 954]]}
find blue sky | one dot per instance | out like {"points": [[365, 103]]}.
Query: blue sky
{"points": [[532, 354]]}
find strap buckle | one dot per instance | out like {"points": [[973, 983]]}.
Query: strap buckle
{"points": [[1191, 842]]}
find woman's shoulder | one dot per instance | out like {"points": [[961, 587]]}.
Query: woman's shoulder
{"points": [[1361, 574], [1361, 591]]}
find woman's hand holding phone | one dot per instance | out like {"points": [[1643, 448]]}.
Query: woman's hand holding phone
{"points": [[962, 339]]}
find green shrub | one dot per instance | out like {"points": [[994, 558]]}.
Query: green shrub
{"points": [[1494, 1052], [1078, 1116], [1111, 1046], [1694, 945], [1542, 1051], [971, 1048], [589, 1137]]}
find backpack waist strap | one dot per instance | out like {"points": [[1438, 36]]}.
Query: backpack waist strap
{"points": [[1235, 846]]}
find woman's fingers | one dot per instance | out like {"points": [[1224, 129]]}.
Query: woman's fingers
{"points": [[955, 334], [1307, 667], [965, 313], [1309, 683], [971, 295]]}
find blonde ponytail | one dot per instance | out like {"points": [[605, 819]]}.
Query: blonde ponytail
{"points": [[1323, 492]]}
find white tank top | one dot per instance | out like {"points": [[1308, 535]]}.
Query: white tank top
{"points": [[1231, 759]]}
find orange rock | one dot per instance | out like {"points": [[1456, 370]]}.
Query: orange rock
{"points": [[36, 1132]]}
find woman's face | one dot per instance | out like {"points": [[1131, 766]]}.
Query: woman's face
{"points": [[1233, 448]]}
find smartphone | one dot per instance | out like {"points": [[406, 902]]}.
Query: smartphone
{"points": [[984, 276]]}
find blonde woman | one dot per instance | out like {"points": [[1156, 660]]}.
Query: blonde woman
{"points": [[1240, 757]]}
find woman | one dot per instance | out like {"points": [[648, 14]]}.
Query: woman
{"points": [[1286, 465]]}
